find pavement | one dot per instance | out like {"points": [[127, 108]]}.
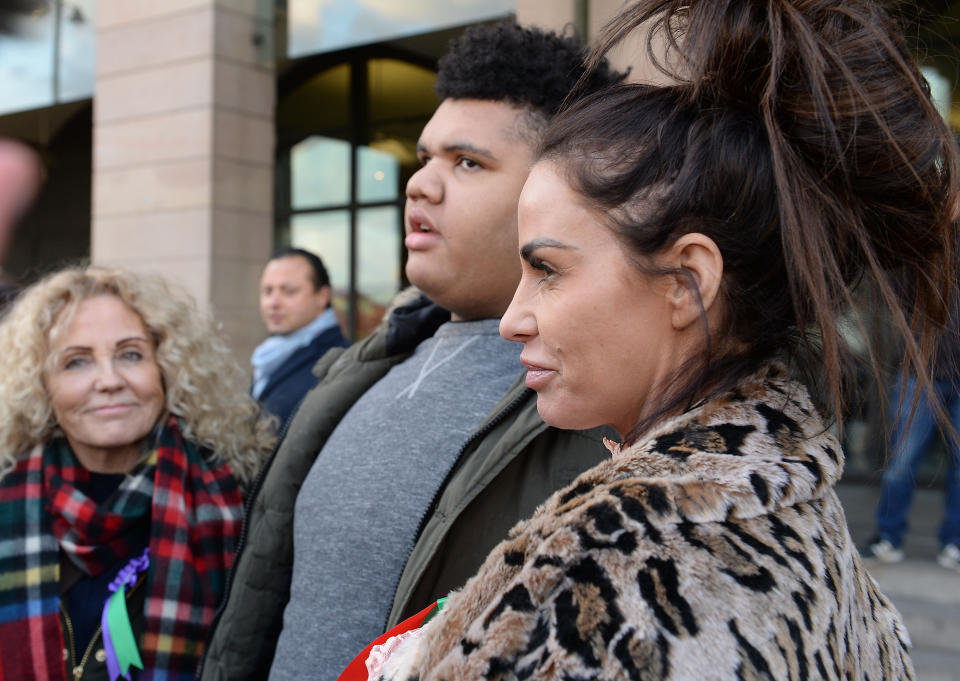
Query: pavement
{"points": [[927, 595]]}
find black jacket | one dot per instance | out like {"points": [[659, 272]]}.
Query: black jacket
{"points": [[294, 378]]}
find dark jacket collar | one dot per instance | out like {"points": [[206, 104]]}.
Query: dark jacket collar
{"points": [[307, 355], [412, 323]]}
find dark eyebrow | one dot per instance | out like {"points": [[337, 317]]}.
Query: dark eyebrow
{"points": [[528, 248], [463, 147]]}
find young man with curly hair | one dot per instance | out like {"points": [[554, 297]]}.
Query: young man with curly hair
{"points": [[420, 446]]}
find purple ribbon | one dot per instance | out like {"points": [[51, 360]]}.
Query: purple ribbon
{"points": [[129, 572], [127, 577]]}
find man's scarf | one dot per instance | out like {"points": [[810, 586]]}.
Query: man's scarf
{"points": [[275, 350], [189, 511]]}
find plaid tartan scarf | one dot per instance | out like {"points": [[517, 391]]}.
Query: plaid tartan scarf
{"points": [[193, 523]]}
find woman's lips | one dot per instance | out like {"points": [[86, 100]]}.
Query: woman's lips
{"points": [[537, 376], [112, 409]]}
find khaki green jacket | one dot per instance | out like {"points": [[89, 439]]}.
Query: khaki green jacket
{"points": [[511, 464]]}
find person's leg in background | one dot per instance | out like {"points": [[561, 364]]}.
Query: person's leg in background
{"points": [[950, 529], [909, 441]]}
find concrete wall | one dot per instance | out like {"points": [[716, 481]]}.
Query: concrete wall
{"points": [[555, 15], [183, 149]]}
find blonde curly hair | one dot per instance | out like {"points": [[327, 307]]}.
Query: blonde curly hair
{"points": [[203, 384]]}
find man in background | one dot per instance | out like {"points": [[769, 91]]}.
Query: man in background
{"points": [[295, 307]]}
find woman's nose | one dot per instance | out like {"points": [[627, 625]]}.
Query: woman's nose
{"points": [[108, 378], [519, 322]]}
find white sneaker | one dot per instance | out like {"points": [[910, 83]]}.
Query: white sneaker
{"points": [[883, 551], [950, 557]]}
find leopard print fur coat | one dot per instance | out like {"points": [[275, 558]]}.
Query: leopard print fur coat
{"points": [[715, 548]]}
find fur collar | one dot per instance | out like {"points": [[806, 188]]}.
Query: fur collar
{"points": [[714, 548], [756, 449]]}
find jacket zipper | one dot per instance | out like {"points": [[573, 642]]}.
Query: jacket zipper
{"points": [[478, 434], [77, 669], [72, 659], [247, 508]]}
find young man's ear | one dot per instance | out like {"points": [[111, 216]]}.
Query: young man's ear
{"points": [[701, 263]]}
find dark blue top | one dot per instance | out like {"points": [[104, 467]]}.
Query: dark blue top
{"points": [[84, 601], [294, 378]]}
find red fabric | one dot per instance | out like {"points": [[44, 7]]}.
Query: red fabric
{"points": [[357, 669]]}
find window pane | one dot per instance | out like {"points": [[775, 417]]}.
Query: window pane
{"points": [[321, 173], [324, 25], [378, 279], [78, 49], [328, 235], [939, 89], [379, 176], [26, 62]]}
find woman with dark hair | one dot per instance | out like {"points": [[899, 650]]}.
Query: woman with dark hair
{"points": [[679, 244]]}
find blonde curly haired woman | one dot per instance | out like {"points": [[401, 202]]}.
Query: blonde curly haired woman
{"points": [[126, 439]]}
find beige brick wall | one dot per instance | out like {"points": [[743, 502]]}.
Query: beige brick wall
{"points": [[549, 14], [556, 14], [183, 150]]}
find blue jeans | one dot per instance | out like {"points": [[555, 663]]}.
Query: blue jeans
{"points": [[906, 451]]}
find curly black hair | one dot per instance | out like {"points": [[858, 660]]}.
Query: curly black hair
{"points": [[526, 66]]}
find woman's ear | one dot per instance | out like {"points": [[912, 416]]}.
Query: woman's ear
{"points": [[701, 270]]}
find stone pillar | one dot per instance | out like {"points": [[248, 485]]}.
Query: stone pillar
{"points": [[553, 15], [602, 11], [632, 53], [589, 17], [183, 149]]}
